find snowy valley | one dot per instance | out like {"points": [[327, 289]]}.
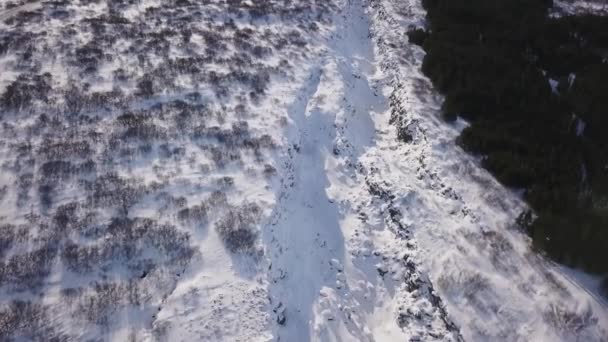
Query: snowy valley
{"points": [[238, 170]]}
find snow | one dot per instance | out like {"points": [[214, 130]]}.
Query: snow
{"points": [[359, 235], [571, 79], [573, 7], [588, 282], [580, 127], [554, 85]]}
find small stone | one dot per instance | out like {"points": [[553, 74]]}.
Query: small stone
{"points": [[382, 270]]}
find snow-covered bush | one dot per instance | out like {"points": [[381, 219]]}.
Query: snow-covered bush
{"points": [[196, 214], [238, 227], [24, 320], [28, 270], [25, 89]]}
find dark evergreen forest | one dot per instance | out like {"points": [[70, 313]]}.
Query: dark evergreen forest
{"points": [[493, 60]]}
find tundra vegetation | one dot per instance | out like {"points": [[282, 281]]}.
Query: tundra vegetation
{"points": [[122, 125]]}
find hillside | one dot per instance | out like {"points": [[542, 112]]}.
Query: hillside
{"points": [[235, 170], [532, 85]]}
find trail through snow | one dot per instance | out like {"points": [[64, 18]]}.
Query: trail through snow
{"points": [[376, 239]]}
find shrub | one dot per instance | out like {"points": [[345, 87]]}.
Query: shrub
{"points": [[195, 214], [145, 87], [26, 88], [27, 321], [417, 36], [56, 170], [7, 237], [57, 150], [237, 227], [27, 270]]}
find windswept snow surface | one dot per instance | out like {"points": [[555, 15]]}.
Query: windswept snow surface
{"points": [[252, 171], [576, 7]]}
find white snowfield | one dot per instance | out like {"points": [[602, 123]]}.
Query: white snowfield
{"points": [[241, 170]]}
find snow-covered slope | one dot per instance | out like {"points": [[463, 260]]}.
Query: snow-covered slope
{"points": [[252, 171], [494, 286]]}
